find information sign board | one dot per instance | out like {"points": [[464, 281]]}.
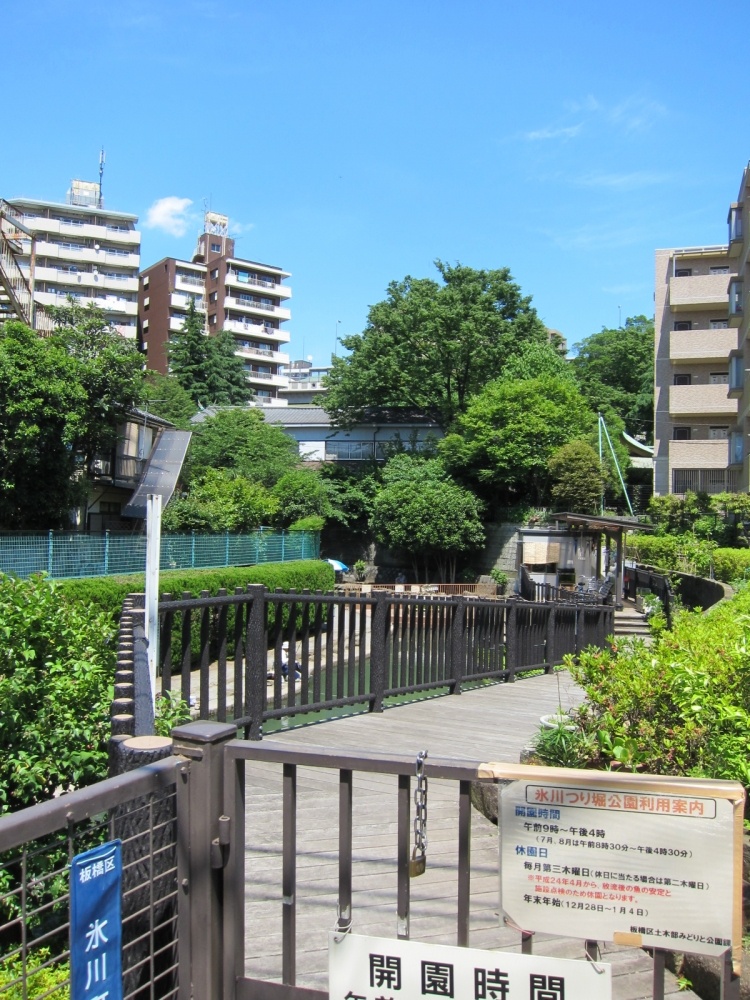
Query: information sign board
{"points": [[628, 858], [96, 923], [372, 968]]}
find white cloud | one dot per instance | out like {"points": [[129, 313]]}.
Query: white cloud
{"points": [[624, 181], [635, 114], [240, 228], [169, 214], [563, 132]]}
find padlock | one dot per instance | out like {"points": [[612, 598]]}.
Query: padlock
{"points": [[417, 865]]}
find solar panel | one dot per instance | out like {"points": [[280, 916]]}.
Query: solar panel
{"points": [[161, 472]]}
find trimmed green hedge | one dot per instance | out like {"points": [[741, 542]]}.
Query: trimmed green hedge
{"points": [[108, 593], [731, 564]]}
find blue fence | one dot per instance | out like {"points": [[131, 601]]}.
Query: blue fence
{"points": [[63, 554]]}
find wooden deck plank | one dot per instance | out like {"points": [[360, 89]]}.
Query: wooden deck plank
{"points": [[492, 723]]}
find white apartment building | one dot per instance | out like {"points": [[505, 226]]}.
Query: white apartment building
{"points": [[82, 250], [305, 385], [702, 389]]}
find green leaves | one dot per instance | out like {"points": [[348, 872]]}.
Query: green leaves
{"points": [[55, 689], [431, 346], [206, 366]]}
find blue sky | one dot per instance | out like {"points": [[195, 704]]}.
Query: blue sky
{"points": [[353, 143]]}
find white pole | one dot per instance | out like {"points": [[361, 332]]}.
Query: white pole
{"points": [[153, 552]]}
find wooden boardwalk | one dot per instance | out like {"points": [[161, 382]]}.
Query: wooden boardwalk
{"points": [[493, 723]]}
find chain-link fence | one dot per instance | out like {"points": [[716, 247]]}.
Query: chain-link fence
{"points": [[68, 554]]}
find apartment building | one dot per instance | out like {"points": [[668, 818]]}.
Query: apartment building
{"points": [[83, 250], [305, 385], [702, 398], [231, 293]]}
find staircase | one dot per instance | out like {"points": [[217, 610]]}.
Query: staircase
{"points": [[629, 622], [16, 297]]}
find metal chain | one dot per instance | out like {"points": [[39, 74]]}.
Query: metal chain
{"points": [[420, 803]]}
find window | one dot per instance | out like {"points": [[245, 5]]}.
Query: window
{"points": [[680, 433], [718, 324], [212, 319], [109, 507], [213, 296], [683, 324], [718, 433], [736, 371], [146, 302], [145, 279], [215, 274], [718, 378], [719, 269], [683, 272], [683, 380], [735, 448], [216, 248]]}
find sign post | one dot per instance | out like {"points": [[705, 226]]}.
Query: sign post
{"points": [[96, 923], [153, 558]]}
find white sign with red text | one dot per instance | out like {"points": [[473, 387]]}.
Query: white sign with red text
{"points": [[624, 858]]}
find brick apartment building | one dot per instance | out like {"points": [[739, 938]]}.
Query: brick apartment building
{"points": [[702, 395], [231, 293]]}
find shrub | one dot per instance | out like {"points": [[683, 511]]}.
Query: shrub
{"points": [[108, 593], [680, 707], [57, 662], [42, 980]]}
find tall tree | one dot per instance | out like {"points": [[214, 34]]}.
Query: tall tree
{"points": [[615, 369], [432, 346], [110, 372], [164, 396], [207, 367], [240, 440], [427, 515], [505, 438]]}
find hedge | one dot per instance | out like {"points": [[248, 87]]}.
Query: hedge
{"points": [[108, 593], [689, 554]]}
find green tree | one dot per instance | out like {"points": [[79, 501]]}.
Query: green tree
{"points": [[301, 493], [432, 346], [41, 405], [206, 366], [577, 478], [615, 370], [535, 358], [423, 512], [55, 688], [165, 397], [220, 501], [240, 440], [505, 438], [110, 371]]}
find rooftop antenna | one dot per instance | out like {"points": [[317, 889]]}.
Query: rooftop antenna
{"points": [[102, 160]]}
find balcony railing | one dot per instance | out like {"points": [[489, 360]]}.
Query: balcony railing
{"points": [[705, 481]]}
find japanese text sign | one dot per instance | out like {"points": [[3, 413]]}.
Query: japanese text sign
{"points": [[96, 923], [371, 968], [629, 858]]}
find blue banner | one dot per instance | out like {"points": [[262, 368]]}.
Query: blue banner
{"points": [[96, 923]]}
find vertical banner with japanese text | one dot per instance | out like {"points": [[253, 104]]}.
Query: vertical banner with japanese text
{"points": [[96, 923]]}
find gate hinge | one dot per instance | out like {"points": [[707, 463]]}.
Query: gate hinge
{"points": [[220, 844]]}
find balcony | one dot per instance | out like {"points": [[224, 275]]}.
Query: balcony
{"points": [[265, 379], [256, 307], [702, 345], [734, 221], [699, 291], [87, 279], [188, 282], [701, 400], [235, 279], [79, 230], [76, 251], [252, 351], [179, 300], [703, 479], [257, 330]]}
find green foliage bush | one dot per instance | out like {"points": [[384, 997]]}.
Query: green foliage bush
{"points": [[731, 564], [678, 707], [684, 553], [42, 980], [57, 660], [108, 593]]}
